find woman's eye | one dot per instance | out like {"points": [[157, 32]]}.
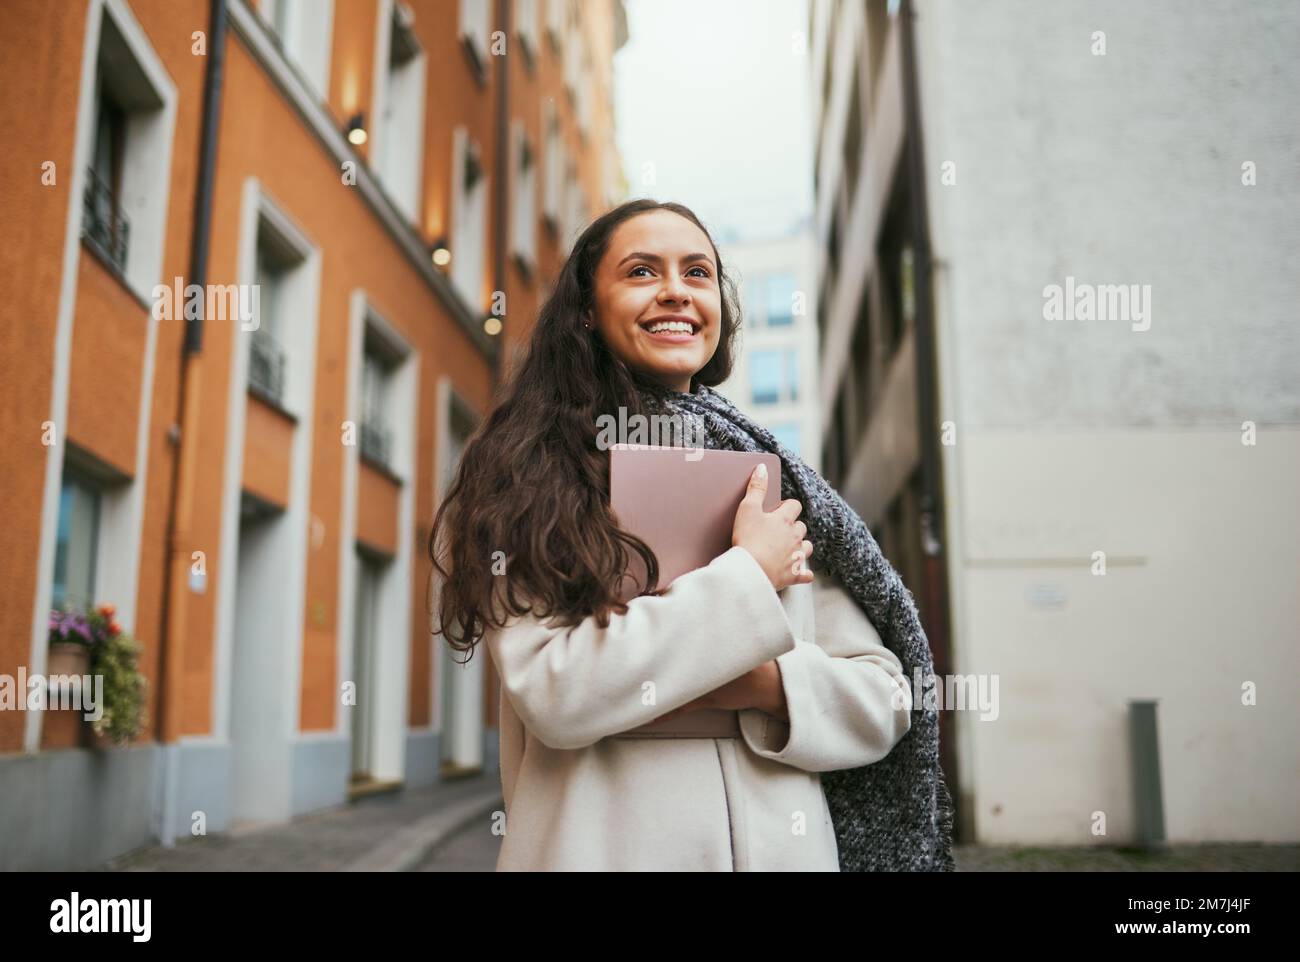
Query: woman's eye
{"points": [[643, 267]]}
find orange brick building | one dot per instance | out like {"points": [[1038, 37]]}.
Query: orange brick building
{"points": [[372, 197]]}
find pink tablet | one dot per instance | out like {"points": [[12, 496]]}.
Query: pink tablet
{"points": [[682, 501]]}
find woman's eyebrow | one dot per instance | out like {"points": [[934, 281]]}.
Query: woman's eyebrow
{"points": [[656, 259]]}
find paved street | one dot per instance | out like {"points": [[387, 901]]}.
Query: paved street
{"points": [[447, 828], [1177, 858], [473, 849], [389, 832]]}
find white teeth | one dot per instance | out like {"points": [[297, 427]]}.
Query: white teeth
{"points": [[681, 326]]}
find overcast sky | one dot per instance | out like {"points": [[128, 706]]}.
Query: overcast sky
{"points": [[714, 96]]}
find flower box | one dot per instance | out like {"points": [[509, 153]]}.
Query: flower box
{"points": [[68, 658], [93, 644]]}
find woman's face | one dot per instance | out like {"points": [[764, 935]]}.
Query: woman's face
{"points": [[659, 265]]}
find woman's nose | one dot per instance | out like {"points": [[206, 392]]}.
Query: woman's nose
{"points": [[675, 290]]}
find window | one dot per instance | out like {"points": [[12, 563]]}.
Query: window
{"points": [[376, 393], [572, 53], [106, 224], [556, 17], [615, 185], [584, 82], [765, 376], [77, 544], [780, 289], [788, 434], [266, 355], [894, 256], [525, 18], [575, 206], [277, 13], [304, 31], [475, 22], [460, 428], [131, 101], [281, 265], [399, 135], [853, 135], [523, 230], [554, 162], [469, 219], [877, 27], [773, 376]]}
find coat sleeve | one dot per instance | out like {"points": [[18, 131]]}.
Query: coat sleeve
{"points": [[846, 696], [572, 686]]}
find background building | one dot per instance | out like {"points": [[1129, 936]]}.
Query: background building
{"points": [[256, 499], [775, 378], [1001, 454]]}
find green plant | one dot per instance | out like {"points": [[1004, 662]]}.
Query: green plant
{"points": [[114, 655], [116, 659]]}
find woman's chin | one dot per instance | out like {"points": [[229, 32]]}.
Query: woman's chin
{"points": [[672, 375]]}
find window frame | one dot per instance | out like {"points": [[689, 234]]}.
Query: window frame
{"points": [[77, 481], [786, 360], [523, 214], [474, 28]]}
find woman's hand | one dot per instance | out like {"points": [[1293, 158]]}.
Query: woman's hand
{"points": [[760, 688], [774, 538]]}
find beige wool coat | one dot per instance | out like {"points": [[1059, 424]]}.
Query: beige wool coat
{"points": [[578, 800]]}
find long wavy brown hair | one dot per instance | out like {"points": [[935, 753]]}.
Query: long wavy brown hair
{"points": [[526, 525]]}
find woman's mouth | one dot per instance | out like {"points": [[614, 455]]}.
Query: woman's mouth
{"points": [[673, 331]]}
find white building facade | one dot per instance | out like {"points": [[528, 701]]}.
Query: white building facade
{"points": [[1063, 274], [774, 379]]}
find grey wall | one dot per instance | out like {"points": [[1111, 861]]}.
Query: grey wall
{"points": [[1123, 168]]}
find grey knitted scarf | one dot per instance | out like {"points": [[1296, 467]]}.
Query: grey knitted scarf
{"points": [[896, 814]]}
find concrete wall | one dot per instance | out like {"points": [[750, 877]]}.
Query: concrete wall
{"points": [[1073, 437]]}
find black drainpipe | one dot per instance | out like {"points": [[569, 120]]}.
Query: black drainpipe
{"points": [[933, 529], [207, 165], [193, 345]]}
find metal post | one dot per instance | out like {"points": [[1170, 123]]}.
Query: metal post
{"points": [[1144, 754]]}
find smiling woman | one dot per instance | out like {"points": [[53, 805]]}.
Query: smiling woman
{"points": [[781, 682], [592, 355], [658, 301]]}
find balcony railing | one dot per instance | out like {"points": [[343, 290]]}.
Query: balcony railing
{"points": [[266, 366], [104, 223], [376, 442]]}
